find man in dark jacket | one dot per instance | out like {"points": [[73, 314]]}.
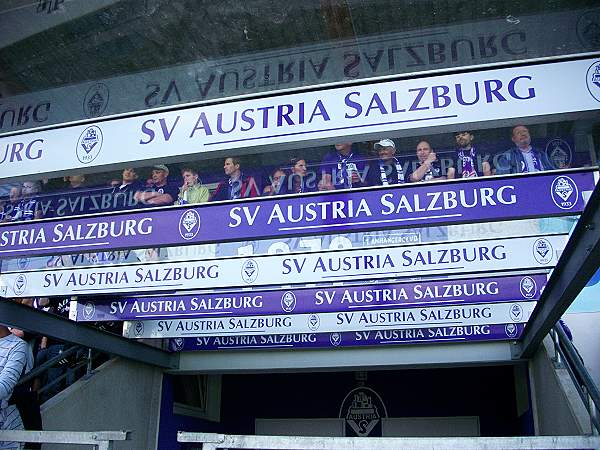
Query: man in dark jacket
{"points": [[523, 158], [236, 185]]}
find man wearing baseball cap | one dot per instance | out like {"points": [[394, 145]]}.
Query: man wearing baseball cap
{"points": [[387, 169], [159, 192]]}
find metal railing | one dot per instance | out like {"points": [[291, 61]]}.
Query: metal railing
{"points": [[213, 441], [566, 356], [101, 440], [73, 363]]}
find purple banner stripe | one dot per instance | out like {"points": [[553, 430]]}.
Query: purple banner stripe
{"points": [[462, 333], [496, 198], [315, 300]]}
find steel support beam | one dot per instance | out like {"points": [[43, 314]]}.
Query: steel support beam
{"points": [[578, 263], [36, 321]]}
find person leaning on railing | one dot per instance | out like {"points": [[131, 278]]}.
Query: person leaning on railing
{"points": [[159, 191], [427, 167]]}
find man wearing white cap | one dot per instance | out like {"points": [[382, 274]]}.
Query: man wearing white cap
{"points": [[387, 169], [159, 192]]}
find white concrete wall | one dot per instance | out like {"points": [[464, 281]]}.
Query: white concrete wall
{"points": [[121, 395], [557, 408], [586, 337]]}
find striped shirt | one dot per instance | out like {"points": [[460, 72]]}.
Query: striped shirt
{"points": [[13, 358]]}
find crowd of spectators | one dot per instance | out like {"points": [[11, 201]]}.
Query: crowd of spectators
{"points": [[343, 167]]}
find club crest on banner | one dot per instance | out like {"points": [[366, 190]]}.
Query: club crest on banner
{"points": [[177, 344], [96, 100], [564, 192], [516, 312], [363, 410], [249, 271], [314, 322], [89, 144], [22, 263], [138, 328], [528, 287], [593, 80], [189, 224], [20, 284], [511, 330], [288, 301], [89, 310], [335, 339], [542, 251]]}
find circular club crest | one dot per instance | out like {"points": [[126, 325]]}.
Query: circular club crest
{"points": [[288, 301], [89, 144], [564, 192], [96, 100], [314, 322], [516, 312], [528, 287], [592, 79], [189, 224], [335, 339], [542, 251], [89, 310], [249, 271], [20, 284], [511, 330], [560, 153], [22, 263]]}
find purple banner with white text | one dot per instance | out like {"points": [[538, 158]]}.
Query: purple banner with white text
{"points": [[462, 333], [300, 301], [409, 205]]}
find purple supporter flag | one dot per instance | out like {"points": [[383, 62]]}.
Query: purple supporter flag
{"points": [[461, 333], [408, 205], [323, 299]]}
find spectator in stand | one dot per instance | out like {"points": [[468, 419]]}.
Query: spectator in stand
{"points": [[299, 180], [3, 209], [468, 163], [428, 165], [277, 183], [159, 191], [523, 158], [49, 347], [29, 207], [75, 181], [123, 192], [192, 190], [25, 397], [14, 198], [343, 168], [13, 364], [236, 185], [387, 169]]}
